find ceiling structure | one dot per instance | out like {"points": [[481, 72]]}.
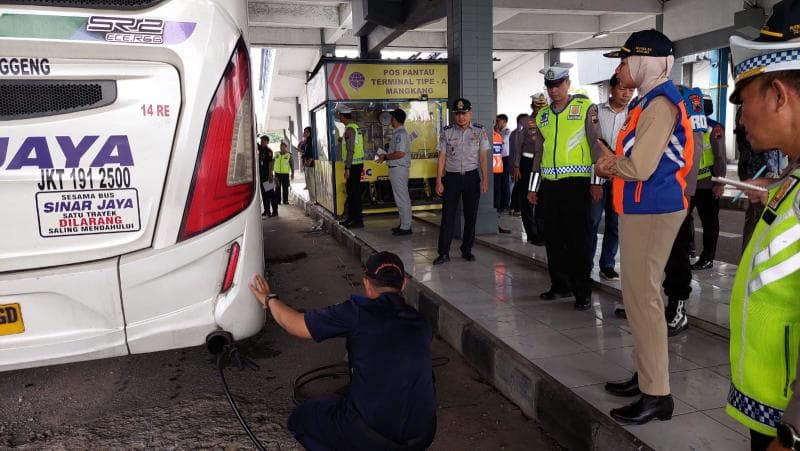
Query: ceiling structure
{"points": [[303, 30]]}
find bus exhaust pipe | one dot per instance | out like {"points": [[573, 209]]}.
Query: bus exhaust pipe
{"points": [[217, 341]]}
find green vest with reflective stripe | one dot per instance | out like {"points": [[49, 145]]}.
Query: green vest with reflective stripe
{"points": [[707, 160], [282, 163], [566, 149], [765, 314], [358, 145]]}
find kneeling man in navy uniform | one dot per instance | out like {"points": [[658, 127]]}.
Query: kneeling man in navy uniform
{"points": [[392, 398]]}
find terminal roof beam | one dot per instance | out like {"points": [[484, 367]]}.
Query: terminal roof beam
{"points": [[292, 14], [585, 6], [331, 35]]}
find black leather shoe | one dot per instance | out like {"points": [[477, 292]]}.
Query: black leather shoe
{"points": [[345, 223], [442, 258], [502, 230], [645, 409], [620, 313], [395, 229], [400, 232], [554, 294], [468, 256], [536, 240], [626, 388], [355, 225], [702, 264], [583, 303]]}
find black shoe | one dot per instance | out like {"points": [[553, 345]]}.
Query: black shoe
{"points": [[645, 409], [502, 230], [609, 274], [400, 232], [620, 313], [442, 258], [355, 225], [583, 303], [625, 388], [345, 223], [702, 264], [554, 294], [536, 240], [675, 315], [468, 256], [395, 229], [274, 214], [677, 325]]}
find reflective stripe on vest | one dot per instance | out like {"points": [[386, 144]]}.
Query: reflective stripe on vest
{"points": [[497, 153], [282, 163], [663, 192], [566, 149], [358, 145], [707, 160], [764, 318]]}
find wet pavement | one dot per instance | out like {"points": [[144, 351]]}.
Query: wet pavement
{"points": [[174, 399], [581, 350]]}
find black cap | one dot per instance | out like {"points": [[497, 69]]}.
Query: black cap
{"points": [[462, 106], [783, 24], [399, 115], [386, 268], [644, 43]]}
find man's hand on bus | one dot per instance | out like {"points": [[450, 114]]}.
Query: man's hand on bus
{"points": [[260, 288]]}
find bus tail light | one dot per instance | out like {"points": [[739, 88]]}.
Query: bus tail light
{"points": [[233, 261], [223, 181]]}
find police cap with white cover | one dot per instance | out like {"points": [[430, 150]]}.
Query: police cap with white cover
{"points": [[555, 73], [539, 99], [777, 48]]}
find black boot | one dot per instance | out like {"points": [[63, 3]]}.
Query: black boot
{"points": [[645, 409], [625, 388]]}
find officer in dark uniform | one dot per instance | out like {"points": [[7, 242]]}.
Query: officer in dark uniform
{"points": [[564, 158], [391, 403], [533, 223], [463, 151]]}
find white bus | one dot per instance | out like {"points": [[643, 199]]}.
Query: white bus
{"points": [[129, 215]]}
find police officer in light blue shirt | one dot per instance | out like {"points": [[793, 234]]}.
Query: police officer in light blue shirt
{"points": [[398, 158], [462, 174]]}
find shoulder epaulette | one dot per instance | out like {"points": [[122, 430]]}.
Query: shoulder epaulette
{"points": [[580, 96], [477, 125], [448, 127]]}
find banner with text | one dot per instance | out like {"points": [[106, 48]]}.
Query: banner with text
{"points": [[386, 81]]}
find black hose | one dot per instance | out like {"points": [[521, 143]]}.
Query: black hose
{"points": [[339, 369], [221, 367]]}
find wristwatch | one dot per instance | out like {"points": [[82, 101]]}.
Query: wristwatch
{"points": [[272, 296], [787, 436]]}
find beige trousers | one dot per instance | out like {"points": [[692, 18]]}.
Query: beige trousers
{"points": [[645, 245]]}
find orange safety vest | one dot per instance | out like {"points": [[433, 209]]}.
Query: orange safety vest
{"points": [[663, 192], [497, 153]]}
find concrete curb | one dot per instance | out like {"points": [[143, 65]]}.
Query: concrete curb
{"points": [[571, 420]]}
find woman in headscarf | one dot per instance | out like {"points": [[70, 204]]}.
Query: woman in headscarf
{"points": [[653, 156]]}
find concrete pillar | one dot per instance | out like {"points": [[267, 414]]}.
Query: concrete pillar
{"points": [[676, 74], [552, 56], [469, 62]]}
